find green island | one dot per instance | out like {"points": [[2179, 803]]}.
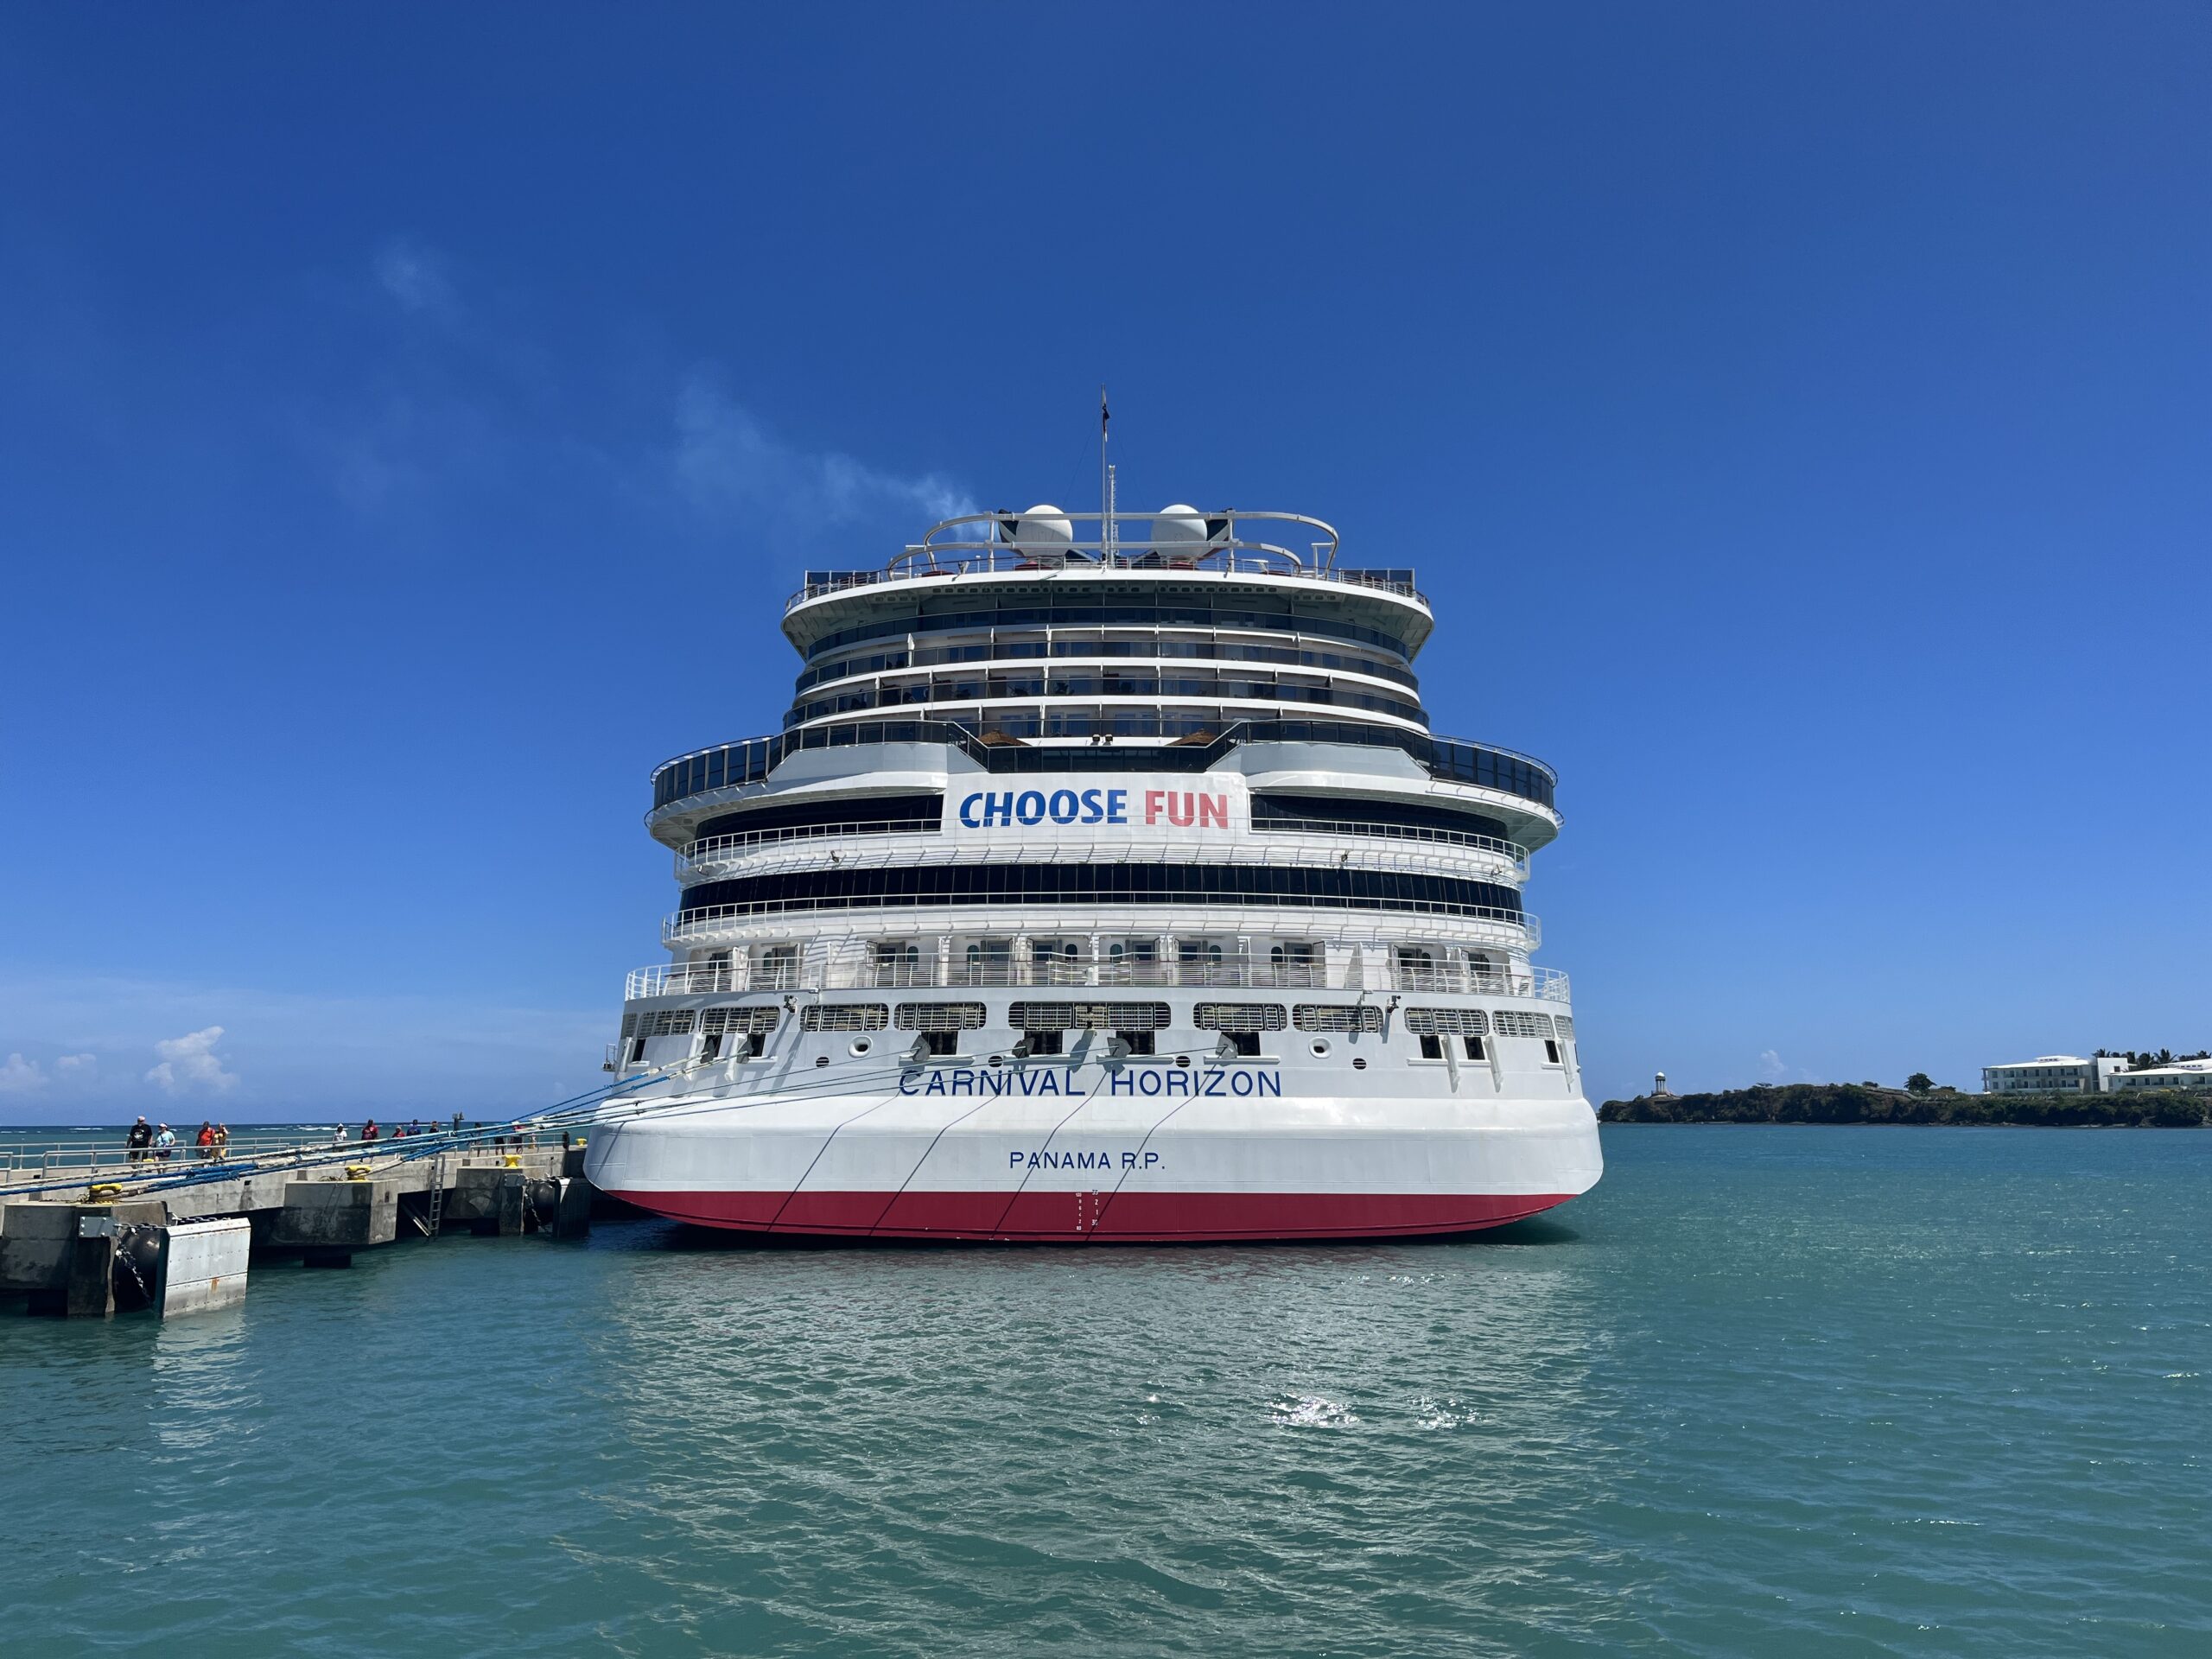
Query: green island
{"points": [[1867, 1103]]}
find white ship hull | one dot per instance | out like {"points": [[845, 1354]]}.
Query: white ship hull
{"points": [[1105, 886], [1188, 1167]]}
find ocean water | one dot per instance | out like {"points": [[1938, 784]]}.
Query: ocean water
{"points": [[1766, 1390]]}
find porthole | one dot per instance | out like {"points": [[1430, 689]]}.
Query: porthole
{"points": [[998, 1059], [1321, 1047], [1359, 1066], [1182, 1059], [860, 1045], [822, 1059]]}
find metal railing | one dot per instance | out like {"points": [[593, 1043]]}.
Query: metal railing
{"points": [[248, 1155], [846, 972], [709, 921], [1314, 844], [1548, 984], [993, 560], [991, 543]]}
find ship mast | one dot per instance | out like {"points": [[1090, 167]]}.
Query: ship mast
{"points": [[1105, 488]]}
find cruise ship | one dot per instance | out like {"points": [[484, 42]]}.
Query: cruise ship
{"points": [[1105, 883]]}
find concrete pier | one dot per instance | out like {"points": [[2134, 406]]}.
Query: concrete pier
{"points": [[185, 1249]]}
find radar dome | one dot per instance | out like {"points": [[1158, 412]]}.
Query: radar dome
{"points": [[1179, 534], [1044, 533]]}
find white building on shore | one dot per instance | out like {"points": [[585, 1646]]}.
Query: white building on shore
{"points": [[2182, 1074], [2054, 1074]]}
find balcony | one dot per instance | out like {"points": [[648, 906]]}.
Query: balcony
{"points": [[1509, 929], [852, 968], [732, 765], [883, 843]]}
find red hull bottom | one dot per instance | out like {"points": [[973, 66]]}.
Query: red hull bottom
{"points": [[1100, 1218]]}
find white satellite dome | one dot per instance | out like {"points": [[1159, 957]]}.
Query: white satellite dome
{"points": [[1043, 533], [1179, 534]]}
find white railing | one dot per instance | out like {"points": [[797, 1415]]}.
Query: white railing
{"points": [[996, 559], [994, 542], [1548, 984], [1308, 842], [846, 971], [1513, 929]]}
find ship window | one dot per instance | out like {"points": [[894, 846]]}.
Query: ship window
{"points": [[941, 1042], [755, 1021], [1474, 1045], [1044, 1042], [844, 1016], [1432, 1047], [1313, 1016], [1447, 1021], [1140, 1042], [1551, 1051], [637, 1050], [940, 1016], [1512, 1022], [710, 1046], [1239, 1016]]}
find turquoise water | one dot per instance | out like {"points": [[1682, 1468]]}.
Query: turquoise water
{"points": [[1827, 1391]]}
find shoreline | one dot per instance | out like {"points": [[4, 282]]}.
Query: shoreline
{"points": [[1863, 1104]]}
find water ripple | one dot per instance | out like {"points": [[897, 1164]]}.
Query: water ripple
{"points": [[1910, 1391]]}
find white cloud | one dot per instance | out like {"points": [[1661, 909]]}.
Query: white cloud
{"points": [[191, 1059], [20, 1075], [77, 1065], [415, 278], [1771, 1066], [728, 464], [352, 1055]]}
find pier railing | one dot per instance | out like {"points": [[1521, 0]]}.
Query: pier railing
{"points": [[247, 1154]]}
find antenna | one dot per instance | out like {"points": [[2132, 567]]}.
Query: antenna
{"points": [[1105, 484]]}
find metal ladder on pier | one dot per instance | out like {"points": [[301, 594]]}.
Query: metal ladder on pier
{"points": [[437, 1193]]}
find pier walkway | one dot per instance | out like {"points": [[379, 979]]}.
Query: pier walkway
{"points": [[78, 1224]]}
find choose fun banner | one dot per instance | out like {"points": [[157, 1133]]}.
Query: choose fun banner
{"points": [[1148, 801]]}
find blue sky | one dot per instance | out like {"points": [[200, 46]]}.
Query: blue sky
{"points": [[410, 419]]}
